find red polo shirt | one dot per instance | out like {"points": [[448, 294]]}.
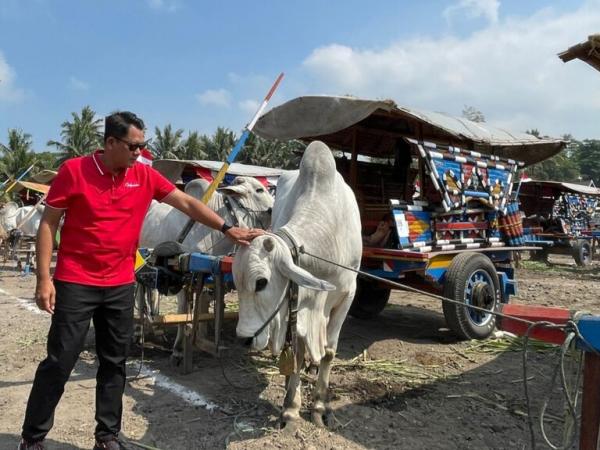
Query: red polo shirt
{"points": [[103, 218]]}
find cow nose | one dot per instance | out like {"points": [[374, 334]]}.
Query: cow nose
{"points": [[261, 283]]}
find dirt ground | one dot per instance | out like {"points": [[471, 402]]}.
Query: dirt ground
{"points": [[400, 381]]}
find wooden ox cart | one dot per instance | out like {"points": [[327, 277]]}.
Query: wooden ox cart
{"points": [[560, 218]]}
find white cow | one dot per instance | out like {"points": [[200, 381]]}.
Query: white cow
{"points": [[319, 211], [250, 202], [25, 218]]}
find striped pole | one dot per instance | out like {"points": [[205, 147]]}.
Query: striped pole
{"points": [[18, 179], [232, 156]]}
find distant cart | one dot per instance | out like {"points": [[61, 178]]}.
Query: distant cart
{"points": [[560, 218], [435, 197]]}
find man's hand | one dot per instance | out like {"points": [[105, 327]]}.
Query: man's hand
{"points": [[45, 295], [243, 236]]}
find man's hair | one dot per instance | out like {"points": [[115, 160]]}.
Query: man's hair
{"points": [[118, 123]]}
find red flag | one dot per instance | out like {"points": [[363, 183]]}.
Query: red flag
{"points": [[145, 157]]}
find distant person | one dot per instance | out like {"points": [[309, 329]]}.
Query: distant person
{"points": [[103, 198]]}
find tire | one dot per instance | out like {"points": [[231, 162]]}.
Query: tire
{"points": [[471, 279], [582, 253], [370, 299]]}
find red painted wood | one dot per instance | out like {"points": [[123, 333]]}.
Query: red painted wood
{"points": [[453, 226], [535, 313], [590, 406], [226, 263]]}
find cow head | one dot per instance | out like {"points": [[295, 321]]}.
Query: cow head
{"points": [[261, 272], [254, 198]]}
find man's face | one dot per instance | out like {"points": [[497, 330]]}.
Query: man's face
{"points": [[123, 152]]}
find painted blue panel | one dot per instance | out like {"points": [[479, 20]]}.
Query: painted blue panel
{"points": [[199, 262], [436, 274], [507, 284], [495, 175], [589, 327], [443, 165]]}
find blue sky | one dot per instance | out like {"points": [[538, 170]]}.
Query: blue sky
{"points": [[198, 65]]}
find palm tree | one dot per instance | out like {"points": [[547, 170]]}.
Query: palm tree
{"points": [[166, 143], [218, 146], [79, 137], [279, 154], [192, 148], [17, 154]]}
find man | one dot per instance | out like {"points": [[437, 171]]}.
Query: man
{"points": [[103, 198]]}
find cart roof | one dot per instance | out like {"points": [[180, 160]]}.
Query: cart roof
{"points": [[559, 186], [587, 51], [380, 123], [20, 185], [173, 168]]}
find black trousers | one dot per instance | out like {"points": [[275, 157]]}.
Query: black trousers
{"points": [[111, 309]]}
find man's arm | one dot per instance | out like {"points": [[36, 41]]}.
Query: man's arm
{"points": [[199, 212], [44, 290]]}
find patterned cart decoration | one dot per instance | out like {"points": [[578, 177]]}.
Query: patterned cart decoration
{"points": [[575, 212], [461, 176]]}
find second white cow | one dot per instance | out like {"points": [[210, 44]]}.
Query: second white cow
{"points": [[250, 205]]}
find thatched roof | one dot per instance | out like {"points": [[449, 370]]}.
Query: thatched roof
{"points": [[587, 51]]}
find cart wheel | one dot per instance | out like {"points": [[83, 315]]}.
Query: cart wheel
{"points": [[369, 300], [471, 279], [582, 252]]}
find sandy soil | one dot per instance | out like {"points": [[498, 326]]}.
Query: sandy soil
{"points": [[400, 381]]}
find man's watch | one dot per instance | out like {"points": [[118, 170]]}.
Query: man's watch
{"points": [[225, 227]]}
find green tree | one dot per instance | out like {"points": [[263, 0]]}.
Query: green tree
{"points": [[192, 147], [167, 143], [587, 156], [80, 136], [218, 146], [17, 154], [473, 114], [278, 154]]}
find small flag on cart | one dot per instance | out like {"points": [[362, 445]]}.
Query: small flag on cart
{"points": [[145, 157]]}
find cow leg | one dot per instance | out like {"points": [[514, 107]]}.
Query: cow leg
{"points": [[321, 391], [177, 354], [293, 393]]}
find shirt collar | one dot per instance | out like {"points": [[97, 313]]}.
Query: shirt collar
{"points": [[102, 169]]}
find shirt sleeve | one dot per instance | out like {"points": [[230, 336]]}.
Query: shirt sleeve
{"points": [[61, 188], [162, 186]]}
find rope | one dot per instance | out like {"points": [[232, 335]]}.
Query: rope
{"points": [[570, 328], [419, 291]]}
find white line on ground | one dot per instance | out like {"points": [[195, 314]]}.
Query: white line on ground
{"points": [[29, 305], [190, 396], [160, 380]]}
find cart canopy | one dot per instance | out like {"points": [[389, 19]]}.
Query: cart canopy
{"points": [[181, 171], [374, 126]]}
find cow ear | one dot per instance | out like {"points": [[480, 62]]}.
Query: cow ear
{"points": [[234, 189], [268, 244], [305, 279]]}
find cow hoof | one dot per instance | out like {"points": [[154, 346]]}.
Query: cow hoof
{"points": [[176, 359], [317, 419], [290, 427]]}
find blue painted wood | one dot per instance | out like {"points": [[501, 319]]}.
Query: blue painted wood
{"points": [[589, 327]]}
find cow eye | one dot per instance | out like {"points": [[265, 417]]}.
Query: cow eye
{"points": [[260, 190], [261, 283]]}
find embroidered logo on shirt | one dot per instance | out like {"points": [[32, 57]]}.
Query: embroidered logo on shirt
{"points": [[132, 185]]}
